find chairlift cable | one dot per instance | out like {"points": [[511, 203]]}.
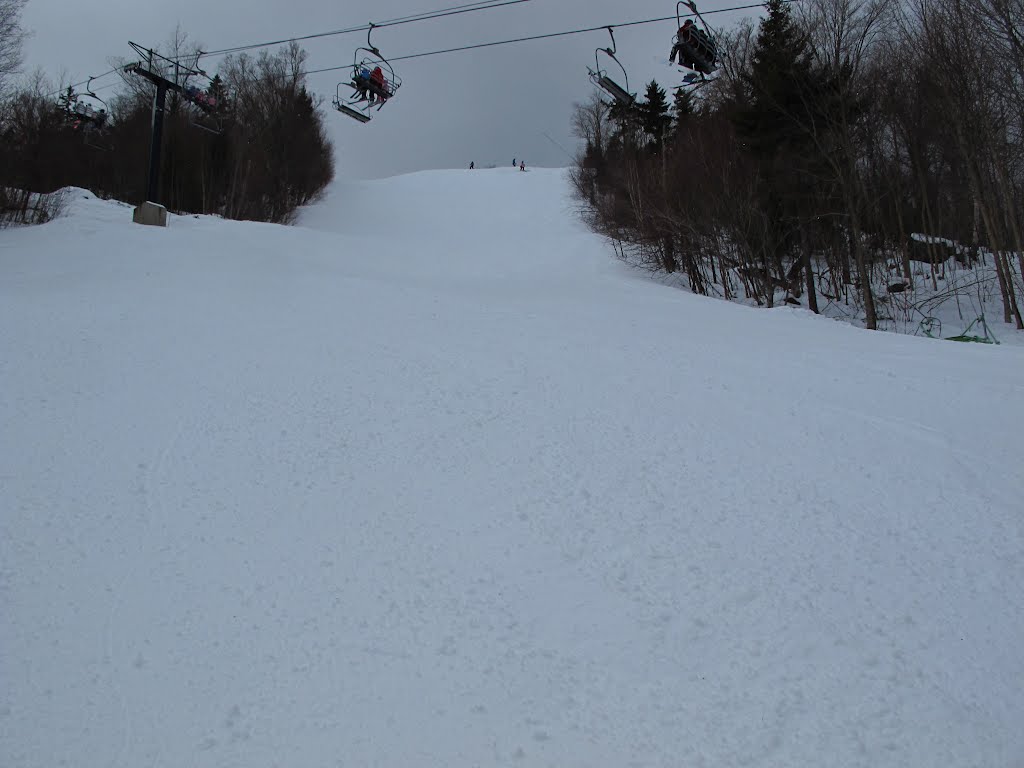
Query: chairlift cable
{"points": [[482, 5], [466, 8], [425, 15], [86, 81], [599, 28]]}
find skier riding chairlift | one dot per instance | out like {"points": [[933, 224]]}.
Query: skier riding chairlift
{"points": [[370, 87], [202, 99], [693, 46]]}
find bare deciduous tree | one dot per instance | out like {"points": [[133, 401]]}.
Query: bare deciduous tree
{"points": [[12, 35]]}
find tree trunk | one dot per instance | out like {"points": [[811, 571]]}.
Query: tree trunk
{"points": [[863, 276], [1002, 286], [1003, 263], [870, 318], [668, 254], [812, 295], [844, 258]]}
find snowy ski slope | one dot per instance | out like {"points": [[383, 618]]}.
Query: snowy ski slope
{"points": [[432, 480]]}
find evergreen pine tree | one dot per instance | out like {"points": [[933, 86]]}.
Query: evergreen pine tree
{"points": [[682, 103], [219, 93], [682, 109], [67, 100], [653, 114], [776, 124], [623, 115], [777, 83]]}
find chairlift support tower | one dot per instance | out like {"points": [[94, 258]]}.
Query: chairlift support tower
{"points": [[155, 68]]}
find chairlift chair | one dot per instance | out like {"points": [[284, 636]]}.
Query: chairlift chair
{"points": [[93, 111], [204, 116], [367, 93], [698, 50], [88, 115], [599, 77], [94, 133]]}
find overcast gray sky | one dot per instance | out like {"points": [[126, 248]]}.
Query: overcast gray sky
{"points": [[487, 106]]}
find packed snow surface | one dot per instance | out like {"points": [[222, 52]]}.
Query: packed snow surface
{"points": [[432, 480]]}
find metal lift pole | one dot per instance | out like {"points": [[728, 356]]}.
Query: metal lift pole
{"points": [[151, 212], [156, 143]]}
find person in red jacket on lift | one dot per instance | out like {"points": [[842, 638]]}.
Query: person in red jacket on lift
{"points": [[379, 85]]}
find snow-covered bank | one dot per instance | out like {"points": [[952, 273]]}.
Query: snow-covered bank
{"points": [[430, 479]]}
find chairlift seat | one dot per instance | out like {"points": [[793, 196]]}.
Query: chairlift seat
{"points": [[345, 109], [617, 92], [216, 130]]}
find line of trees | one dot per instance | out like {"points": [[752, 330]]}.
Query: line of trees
{"points": [[835, 130], [269, 153]]}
